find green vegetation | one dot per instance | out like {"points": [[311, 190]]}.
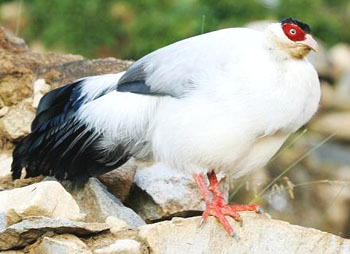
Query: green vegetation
{"points": [[132, 28]]}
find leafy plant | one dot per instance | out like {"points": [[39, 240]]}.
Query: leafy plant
{"points": [[132, 28]]}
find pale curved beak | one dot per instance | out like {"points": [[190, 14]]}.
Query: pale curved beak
{"points": [[310, 42]]}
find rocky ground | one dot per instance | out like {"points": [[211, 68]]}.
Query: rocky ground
{"points": [[128, 211]]}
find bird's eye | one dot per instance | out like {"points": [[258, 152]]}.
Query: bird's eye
{"points": [[293, 31]]}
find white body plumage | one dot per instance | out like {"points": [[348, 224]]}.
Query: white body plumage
{"points": [[240, 100]]}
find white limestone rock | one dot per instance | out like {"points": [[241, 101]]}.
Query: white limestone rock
{"points": [[40, 88], [29, 230], [125, 246], [5, 164], [98, 204], [60, 244], [16, 123], [48, 199], [257, 235], [165, 192], [116, 224]]}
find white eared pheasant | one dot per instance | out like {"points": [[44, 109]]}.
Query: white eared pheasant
{"points": [[224, 101]]}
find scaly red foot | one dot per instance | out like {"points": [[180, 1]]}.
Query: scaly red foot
{"points": [[215, 203]]}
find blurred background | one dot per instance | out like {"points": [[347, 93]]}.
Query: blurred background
{"points": [[308, 181]]}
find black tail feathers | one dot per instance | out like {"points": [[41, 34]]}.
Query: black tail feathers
{"points": [[60, 143]]}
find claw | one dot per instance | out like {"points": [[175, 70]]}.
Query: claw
{"points": [[262, 212], [216, 205], [201, 222]]}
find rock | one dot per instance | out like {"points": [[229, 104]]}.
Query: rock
{"points": [[125, 246], [20, 67], [327, 96], [336, 97], [340, 58], [8, 41], [12, 252], [4, 111], [332, 154], [116, 224], [338, 122], [6, 182], [339, 194], [65, 244], [30, 229], [164, 192], [16, 123], [41, 199], [98, 203], [18, 43], [16, 87], [342, 91], [5, 164], [58, 74], [120, 180], [257, 235], [40, 88], [3, 221]]}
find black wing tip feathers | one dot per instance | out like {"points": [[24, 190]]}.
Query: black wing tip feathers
{"points": [[134, 87], [306, 28]]}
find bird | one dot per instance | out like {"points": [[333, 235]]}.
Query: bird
{"points": [[219, 102]]}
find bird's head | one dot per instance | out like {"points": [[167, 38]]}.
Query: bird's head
{"points": [[293, 37]]}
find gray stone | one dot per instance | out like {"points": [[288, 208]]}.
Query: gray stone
{"points": [[330, 123], [257, 235], [120, 180], [40, 199], [339, 57], [164, 192], [98, 203], [342, 91], [124, 246], [3, 221], [30, 229], [60, 244], [330, 155], [116, 224]]}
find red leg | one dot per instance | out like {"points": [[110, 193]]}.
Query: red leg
{"points": [[199, 178], [216, 205], [214, 188]]}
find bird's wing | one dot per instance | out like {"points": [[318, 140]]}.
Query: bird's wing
{"points": [[176, 69], [147, 76], [60, 142]]}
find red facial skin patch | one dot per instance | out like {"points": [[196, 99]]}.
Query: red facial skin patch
{"points": [[293, 32]]}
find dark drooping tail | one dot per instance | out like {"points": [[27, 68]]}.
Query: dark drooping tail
{"points": [[60, 143]]}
